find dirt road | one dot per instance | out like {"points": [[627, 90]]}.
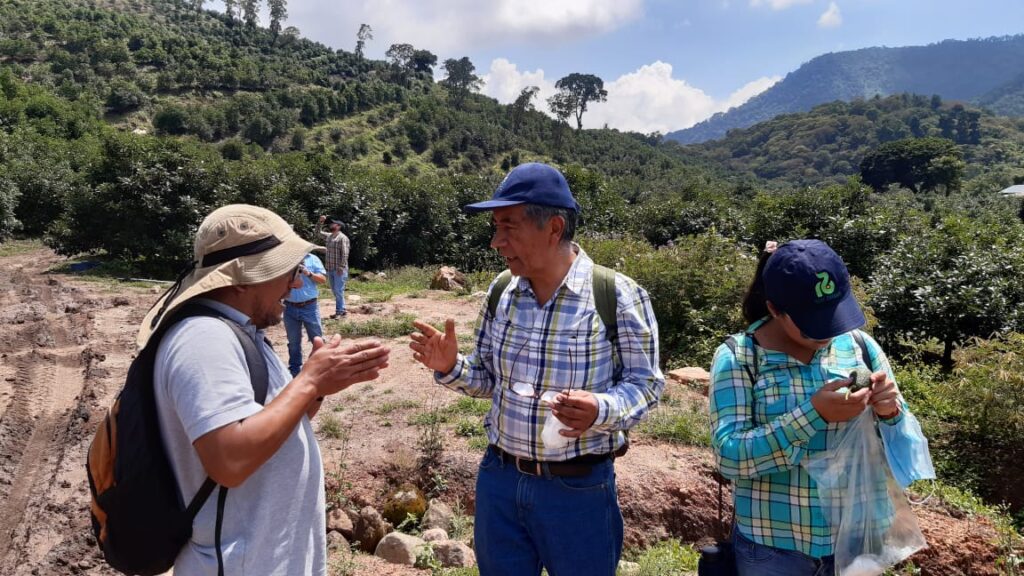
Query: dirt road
{"points": [[63, 346]]}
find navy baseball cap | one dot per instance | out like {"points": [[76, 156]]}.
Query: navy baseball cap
{"points": [[808, 281], [530, 183]]}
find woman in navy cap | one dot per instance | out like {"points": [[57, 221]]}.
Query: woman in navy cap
{"points": [[774, 400]]}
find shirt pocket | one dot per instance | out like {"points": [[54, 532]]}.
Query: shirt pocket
{"points": [[774, 396], [511, 350], [580, 359]]}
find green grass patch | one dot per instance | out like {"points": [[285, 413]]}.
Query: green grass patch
{"points": [[393, 405], [464, 407], [688, 425], [16, 247], [396, 282], [393, 326], [667, 558], [478, 443], [469, 428], [330, 426]]}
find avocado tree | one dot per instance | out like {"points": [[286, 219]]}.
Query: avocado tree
{"points": [[955, 281], [919, 164]]}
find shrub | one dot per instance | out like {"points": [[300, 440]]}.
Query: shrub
{"points": [[695, 289], [958, 280], [8, 201]]}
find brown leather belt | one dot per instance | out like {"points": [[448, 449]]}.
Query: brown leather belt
{"points": [[300, 304], [578, 466]]}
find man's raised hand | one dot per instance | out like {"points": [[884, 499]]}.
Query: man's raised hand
{"points": [[334, 367], [435, 349]]}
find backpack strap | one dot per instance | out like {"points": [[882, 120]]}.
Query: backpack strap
{"points": [[732, 342], [500, 284], [606, 300], [259, 376], [858, 337], [258, 372]]}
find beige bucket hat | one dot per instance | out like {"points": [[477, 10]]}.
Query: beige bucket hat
{"points": [[235, 245]]}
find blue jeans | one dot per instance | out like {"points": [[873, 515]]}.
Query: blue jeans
{"points": [[753, 559], [570, 526], [337, 280], [295, 318]]}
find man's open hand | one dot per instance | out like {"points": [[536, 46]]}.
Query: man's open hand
{"points": [[334, 366], [435, 349]]}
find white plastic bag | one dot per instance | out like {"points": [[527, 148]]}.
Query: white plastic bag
{"points": [[549, 436], [873, 527]]}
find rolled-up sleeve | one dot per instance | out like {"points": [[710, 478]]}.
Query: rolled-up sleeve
{"points": [[640, 383]]}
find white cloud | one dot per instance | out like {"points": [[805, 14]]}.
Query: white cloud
{"points": [[456, 27], [646, 100], [831, 18], [748, 91], [778, 4], [504, 82]]}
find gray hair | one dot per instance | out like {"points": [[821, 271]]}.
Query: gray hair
{"points": [[541, 215]]}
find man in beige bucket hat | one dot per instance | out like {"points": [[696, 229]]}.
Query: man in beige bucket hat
{"points": [[211, 424]]}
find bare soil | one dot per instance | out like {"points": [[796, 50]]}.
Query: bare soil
{"points": [[65, 346]]}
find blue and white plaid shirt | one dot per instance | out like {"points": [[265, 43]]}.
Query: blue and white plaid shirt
{"points": [[558, 346]]}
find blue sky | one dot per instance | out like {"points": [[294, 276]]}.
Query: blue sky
{"points": [[667, 64]]}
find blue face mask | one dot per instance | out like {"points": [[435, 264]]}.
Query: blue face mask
{"points": [[906, 450]]}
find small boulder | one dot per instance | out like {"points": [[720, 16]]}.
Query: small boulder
{"points": [[448, 279], [435, 535], [399, 548], [452, 554], [353, 298], [628, 568], [335, 542], [406, 501], [438, 515], [370, 529], [694, 376], [339, 521]]}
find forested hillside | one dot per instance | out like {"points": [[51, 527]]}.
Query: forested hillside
{"points": [[828, 143], [953, 69]]}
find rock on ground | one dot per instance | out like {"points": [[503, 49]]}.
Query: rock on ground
{"points": [[339, 521], [335, 541], [452, 554], [370, 529], [449, 279], [399, 548], [435, 535], [438, 515]]}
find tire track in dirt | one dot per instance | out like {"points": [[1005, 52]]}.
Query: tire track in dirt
{"points": [[31, 427]]}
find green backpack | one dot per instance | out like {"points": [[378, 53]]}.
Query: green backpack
{"points": [[604, 298]]}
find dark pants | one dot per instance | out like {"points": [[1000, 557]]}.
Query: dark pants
{"points": [[568, 525], [753, 559]]}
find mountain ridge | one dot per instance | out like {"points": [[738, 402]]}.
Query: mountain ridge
{"points": [[949, 68]]}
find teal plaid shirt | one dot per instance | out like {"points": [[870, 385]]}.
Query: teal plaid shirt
{"points": [[761, 433], [527, 347]]}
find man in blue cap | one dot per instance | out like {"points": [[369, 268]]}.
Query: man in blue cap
{"points": [[568, 353]]}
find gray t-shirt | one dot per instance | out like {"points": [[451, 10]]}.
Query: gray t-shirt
{"points": [[274, 522]]}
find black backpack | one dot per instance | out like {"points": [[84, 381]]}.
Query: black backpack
{"points": [[138, 516]]}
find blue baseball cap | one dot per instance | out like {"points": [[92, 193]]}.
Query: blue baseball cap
{"points": [[530, 183], [808, 281]]}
